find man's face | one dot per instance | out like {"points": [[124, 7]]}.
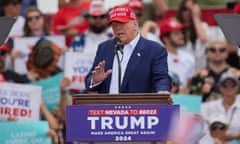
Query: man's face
{"points": [[98, 23], [125, 31], [218, 130], [13, 9], [217, 53], [35, 20], [229, 87], [176, 38]]}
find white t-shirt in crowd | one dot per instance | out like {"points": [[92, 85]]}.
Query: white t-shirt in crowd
{"points": [[183, 64]]}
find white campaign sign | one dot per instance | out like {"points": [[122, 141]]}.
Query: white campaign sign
{"points": [[25, 45], [76, 67], [20, 100]]}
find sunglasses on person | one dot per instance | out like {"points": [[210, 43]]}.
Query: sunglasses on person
{"points": [[31, 18], [101, 17], [229, 84], [217, 126], [213, 50]]}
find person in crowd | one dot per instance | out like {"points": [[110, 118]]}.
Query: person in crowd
{"points": [[179, 61], [143, 63], [12, 8], [160, 8], [205, 81], [228, 105], [10, 76], [35, 24], [156, 11], [137, 6], [217, 128], [7, 75], [148, 29], [42, 64], [70, 19], [196, 31], [97, 32], [39, 68]]}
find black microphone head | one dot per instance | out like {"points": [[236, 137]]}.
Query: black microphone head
{"points": [[118, 44], [117, 40]]}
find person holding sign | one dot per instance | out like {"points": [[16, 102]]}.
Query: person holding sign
{"points": [[143, 63]]}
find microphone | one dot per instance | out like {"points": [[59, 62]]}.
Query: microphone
{"points": [[118, 47], [118, 44]]}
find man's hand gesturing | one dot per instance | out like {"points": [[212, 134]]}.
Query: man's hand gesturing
{"points": [[99, 74]]}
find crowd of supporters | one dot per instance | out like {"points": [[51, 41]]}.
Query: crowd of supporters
{"points": [[201, 61]]}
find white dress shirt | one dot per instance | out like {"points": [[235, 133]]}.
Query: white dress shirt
{"points": [[127, 52]]}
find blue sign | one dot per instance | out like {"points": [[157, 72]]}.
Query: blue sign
{"points": [[50, 90], [31, 132], [120, 123]]}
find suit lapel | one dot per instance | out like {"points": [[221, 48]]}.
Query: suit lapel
{"points": [[135, 59]]}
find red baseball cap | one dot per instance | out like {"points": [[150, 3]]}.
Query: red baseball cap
{"points": [[97, 8], [135, 4], [169, 25], [121, 14]]}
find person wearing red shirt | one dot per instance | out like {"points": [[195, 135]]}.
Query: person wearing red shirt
{"points": [[70, 21]]}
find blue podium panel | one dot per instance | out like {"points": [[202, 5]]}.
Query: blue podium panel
{"points": [[120, 123]]}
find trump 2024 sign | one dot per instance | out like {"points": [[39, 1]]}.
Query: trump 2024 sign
{"points": [[120, 123]]}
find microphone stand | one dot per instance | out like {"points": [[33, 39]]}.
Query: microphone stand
{"points": [[119, 70], [118, 47]]}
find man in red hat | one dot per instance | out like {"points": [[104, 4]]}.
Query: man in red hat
{"points": [[143, 63], [179, 61]]}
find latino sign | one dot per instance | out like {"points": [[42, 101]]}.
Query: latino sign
{"points": [[120, 123]]}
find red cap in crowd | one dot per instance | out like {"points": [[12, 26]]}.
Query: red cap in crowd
{"points": [[135, 4], [169, 25], [97, 8], [121, 14]]}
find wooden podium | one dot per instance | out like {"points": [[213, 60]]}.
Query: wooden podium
{"points": [[128, 98]]}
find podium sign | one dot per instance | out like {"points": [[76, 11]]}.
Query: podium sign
{"points": [[120, 122]]}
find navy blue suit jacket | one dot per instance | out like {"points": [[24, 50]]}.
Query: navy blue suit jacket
{"points": [[147, 69]]}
